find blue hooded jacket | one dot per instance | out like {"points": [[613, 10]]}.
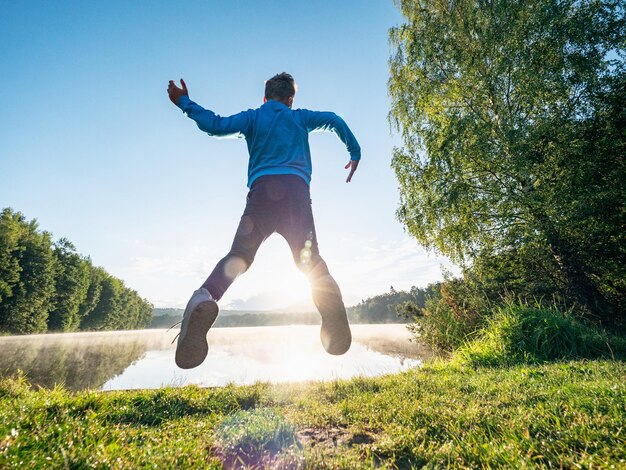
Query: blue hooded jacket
{"points": [[277, 136]]}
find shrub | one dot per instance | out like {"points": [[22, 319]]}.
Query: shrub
{"points": [[521, 333], [451, 313]]}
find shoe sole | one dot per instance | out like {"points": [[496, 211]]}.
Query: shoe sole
{"points": [[193, 349], [336, 336], [335, 332]]}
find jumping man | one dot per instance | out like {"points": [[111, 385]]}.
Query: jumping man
{"points": [[279, 173]]}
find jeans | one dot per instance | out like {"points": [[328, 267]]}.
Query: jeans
{"points": [[279, 203]]}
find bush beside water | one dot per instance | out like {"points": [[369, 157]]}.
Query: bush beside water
{"points": [[476, 331], [517, 334]]}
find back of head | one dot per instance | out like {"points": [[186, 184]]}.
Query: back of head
{"points": [[280, 87]]}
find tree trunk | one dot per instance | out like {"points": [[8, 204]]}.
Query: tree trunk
{"points": [[579, 285]]}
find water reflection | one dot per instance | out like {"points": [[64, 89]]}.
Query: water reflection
{"points": [[76, 360], [145, 359]]}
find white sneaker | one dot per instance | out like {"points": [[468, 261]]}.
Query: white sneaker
{"points": [[199, 316]]}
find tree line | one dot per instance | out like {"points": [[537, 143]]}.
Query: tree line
{"points": [[390, 307], [395, 306], [46, 286], [166, 317]]}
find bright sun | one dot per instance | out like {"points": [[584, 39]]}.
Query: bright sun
{"points": [[273, 276], [293, 284]]}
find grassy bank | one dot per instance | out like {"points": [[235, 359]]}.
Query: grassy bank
{"points": [[566, 414]]}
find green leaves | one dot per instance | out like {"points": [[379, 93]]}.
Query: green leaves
{"points": [[29, 266], [71, 284], [510, 120]]}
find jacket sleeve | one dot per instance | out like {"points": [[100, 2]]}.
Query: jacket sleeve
{"points": [[327, 121], [236, 125]]}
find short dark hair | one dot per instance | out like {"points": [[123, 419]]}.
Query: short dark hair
{"points": [[280, 87]]}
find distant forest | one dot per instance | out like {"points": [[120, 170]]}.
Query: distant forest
{"points": [[166, 317], [383, 308], [46, 286], [391, 307]]}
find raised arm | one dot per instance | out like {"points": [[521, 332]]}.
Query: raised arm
{"points": [[327, 121], [207, 120]]}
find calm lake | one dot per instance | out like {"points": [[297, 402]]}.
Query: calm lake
{"points": [[145, 359]]}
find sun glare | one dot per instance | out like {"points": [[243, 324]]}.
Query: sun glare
{"points": [[274, 276], [293, 285]]}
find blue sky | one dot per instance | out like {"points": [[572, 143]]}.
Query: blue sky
{"points": [[92, 148]]}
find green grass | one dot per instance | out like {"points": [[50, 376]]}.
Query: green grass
{"points": [[563, 414]]}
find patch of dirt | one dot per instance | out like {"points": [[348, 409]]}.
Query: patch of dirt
{"points": [[360, 438], [242, 459], [333, 437], [326, 437], [323, 439]]}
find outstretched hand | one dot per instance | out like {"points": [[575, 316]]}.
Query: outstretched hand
{"points": [[352, 164], [175, 93]]}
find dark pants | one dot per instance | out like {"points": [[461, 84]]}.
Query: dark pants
{"points": [[279, 203]]}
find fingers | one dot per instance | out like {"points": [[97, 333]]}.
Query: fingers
{"points": [[352, 164], [182, 82], [348, 165], [172, 85]]}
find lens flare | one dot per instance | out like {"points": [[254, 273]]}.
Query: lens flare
{"points": [[234, 267]]}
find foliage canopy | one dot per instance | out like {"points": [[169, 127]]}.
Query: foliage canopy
{"points": [[512, 115]]}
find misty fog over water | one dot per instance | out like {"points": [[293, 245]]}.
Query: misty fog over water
{"points": [[145, 359]]}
